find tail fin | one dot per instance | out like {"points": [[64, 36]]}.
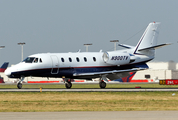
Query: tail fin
{"points": [[148, 40], [4, 66]]}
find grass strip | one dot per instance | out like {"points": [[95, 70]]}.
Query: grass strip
{"points": [[87, 101]]}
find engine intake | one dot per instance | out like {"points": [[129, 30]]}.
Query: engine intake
{"points": [[115, 58]]}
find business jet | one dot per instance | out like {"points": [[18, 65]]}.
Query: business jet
{"points": [[89, 65]]}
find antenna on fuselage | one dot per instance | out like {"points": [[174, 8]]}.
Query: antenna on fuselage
{"points": [[79, 50]]}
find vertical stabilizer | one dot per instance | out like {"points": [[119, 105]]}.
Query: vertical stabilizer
{"points": [[148, 39], [4, 66]]}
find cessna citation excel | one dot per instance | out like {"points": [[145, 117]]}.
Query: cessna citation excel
{"points": [[88, 65]]}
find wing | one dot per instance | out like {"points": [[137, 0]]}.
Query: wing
{"points": [[109, 72]]}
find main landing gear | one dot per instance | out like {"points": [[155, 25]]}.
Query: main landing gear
{"points": [[68, 83], [19, 84], [102, 82]]}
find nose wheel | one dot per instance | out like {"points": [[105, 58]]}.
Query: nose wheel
{"points": [[19, 84]]}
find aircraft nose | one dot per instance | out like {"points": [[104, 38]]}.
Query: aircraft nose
{"points": [[7, 72]]}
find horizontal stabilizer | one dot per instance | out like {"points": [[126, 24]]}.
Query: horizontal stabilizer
{"points": [[155, 47], [126, 46], [109, 72]]}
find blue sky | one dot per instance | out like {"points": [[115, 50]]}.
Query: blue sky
{"points": [[65, 25]]}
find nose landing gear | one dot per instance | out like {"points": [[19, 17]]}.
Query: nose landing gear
{"points": [[19, 84]]}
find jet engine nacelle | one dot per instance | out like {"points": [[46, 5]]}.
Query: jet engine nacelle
{"points": [[116, 58]]}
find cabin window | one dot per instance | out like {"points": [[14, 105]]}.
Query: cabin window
{"points": [[40, 60], [70, 60], [62, 59], [28, 60], [94, 59], [78, 60], [85, 59], [36, 60]]}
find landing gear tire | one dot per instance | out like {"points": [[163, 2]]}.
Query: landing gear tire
{"points": [[19, 85], [102, 84], [68, 85]]}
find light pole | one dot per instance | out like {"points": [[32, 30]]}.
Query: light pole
{"points": [[114, 41], [86, 45], [1, 47], [22, 48]]}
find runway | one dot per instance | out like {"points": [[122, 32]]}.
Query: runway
{"points": [[107, 115], [84, 89], [89, 90]]}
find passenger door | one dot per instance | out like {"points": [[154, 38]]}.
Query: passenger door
{"points": [[55, 64]]}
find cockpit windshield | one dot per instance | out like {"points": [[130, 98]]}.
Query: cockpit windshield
{"points": [[29, 60]]}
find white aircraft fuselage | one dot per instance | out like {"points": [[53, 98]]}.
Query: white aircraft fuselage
{"points": [[69, 64]]}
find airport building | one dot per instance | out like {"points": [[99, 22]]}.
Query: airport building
{"points": [[158, 71]]}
